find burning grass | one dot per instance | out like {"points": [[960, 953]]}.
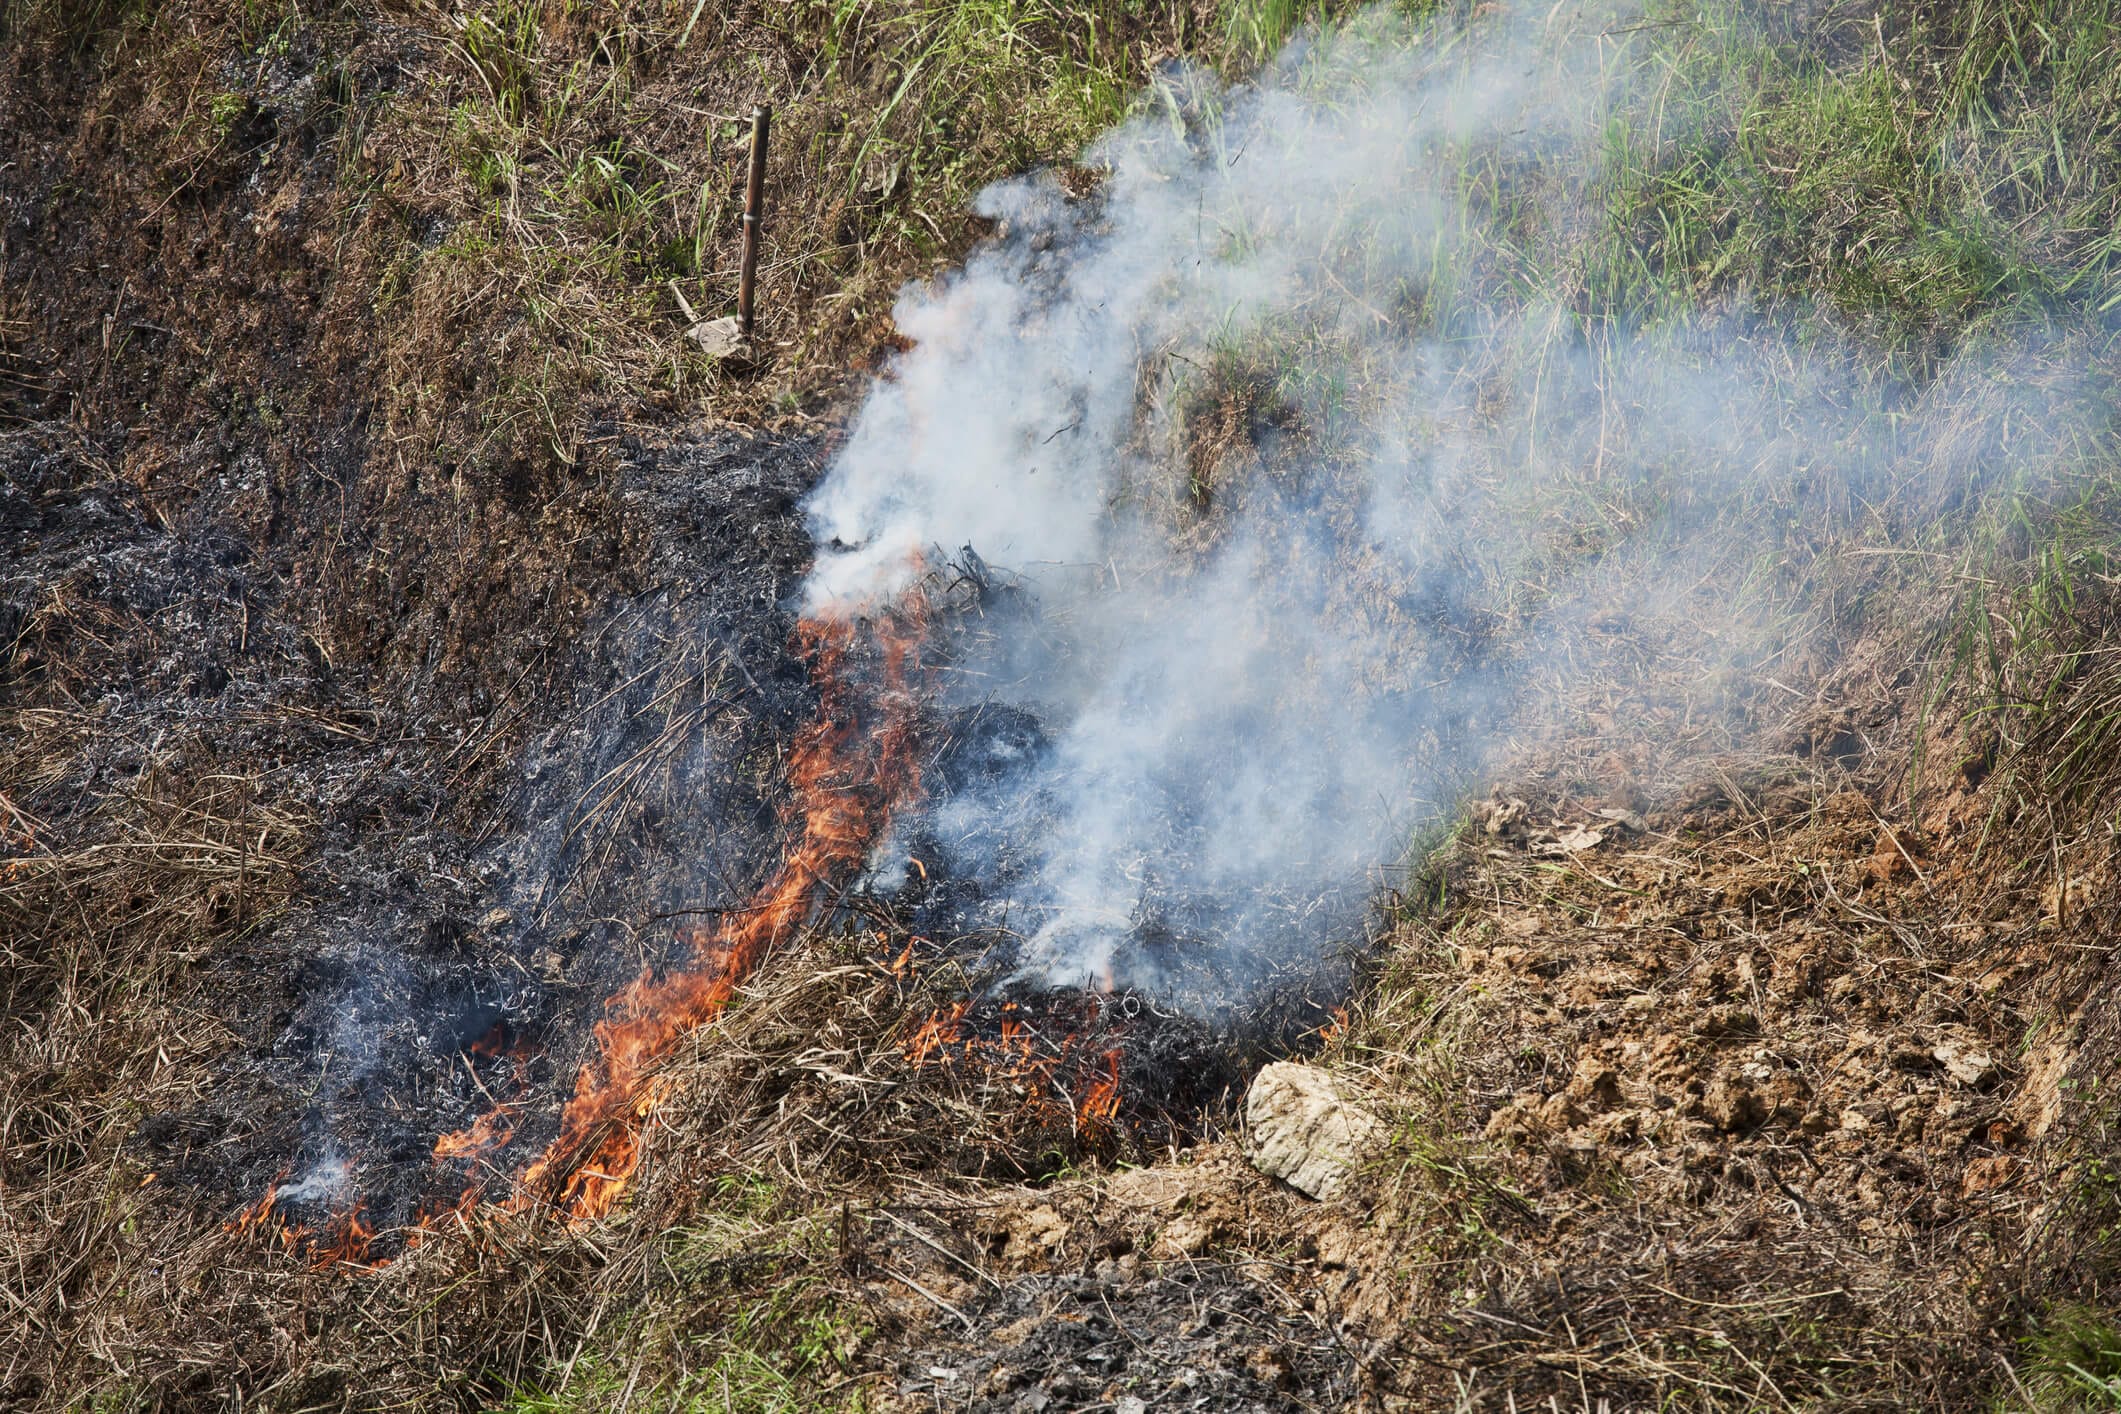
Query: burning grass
{"points": [[844, 775]]}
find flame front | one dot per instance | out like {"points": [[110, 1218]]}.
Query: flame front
{"points": [[845, 776], [847, 770]]}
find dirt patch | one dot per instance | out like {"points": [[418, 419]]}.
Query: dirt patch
{"points": [[1131, 1336]]}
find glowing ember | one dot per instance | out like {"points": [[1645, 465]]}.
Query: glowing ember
{"points": [[345, 1243], [1059, 1075]]}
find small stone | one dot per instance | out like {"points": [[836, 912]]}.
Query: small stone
{"points": [[1854, 1122], [1965, 1064], [1302, 1132], [1183, 1237]]}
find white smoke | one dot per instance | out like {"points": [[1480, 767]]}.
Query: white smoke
{"points": [[1253, 689], [329, 1182]]}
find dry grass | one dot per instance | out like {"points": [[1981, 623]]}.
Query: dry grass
{"points": [[1684, 1085], [112, 919]]}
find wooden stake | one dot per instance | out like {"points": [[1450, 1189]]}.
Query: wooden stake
{"points": [[754, 209]]}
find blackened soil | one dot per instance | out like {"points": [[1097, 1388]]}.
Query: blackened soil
{"points": [[1128, 1337], [430, 971]]}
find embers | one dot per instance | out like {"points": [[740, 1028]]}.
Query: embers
{"points": [[1075, 1073], [499, 1066], [337, 1210], [316, 1216]]}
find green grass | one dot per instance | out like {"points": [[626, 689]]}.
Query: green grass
{"points": [[1919, 203], [2075, 1360], [750, 1319]]}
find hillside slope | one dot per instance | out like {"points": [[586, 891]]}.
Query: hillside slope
{"points": [[401, 658]]}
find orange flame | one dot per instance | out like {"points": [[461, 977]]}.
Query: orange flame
{"points": [[1055, 1076], [348, 1243], [259, 1211], [846, 776], [489, 1131], [1333, 1028], [345, 1243], [1100, 1103], [845, 780], [937, 1032]]}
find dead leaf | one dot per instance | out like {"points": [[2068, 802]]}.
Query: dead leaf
{"points": [[1573, 840]]}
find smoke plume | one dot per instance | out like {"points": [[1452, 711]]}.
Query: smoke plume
{"points": [[1300, 469]]}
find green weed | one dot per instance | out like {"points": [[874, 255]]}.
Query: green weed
{"points": [[2076, 1360]]}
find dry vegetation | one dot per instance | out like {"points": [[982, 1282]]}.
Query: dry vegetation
{"points": [[322, 330]]}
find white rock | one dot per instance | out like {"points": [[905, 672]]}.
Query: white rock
{"points": [[1302, 1131], [718, 338], [1963, 1063]]}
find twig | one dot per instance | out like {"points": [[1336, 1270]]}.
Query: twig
{"points": [[924, 1291], [918, 1235]]}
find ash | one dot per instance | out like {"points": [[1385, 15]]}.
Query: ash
{"points": [[1196, 1336], [440, 963]]}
